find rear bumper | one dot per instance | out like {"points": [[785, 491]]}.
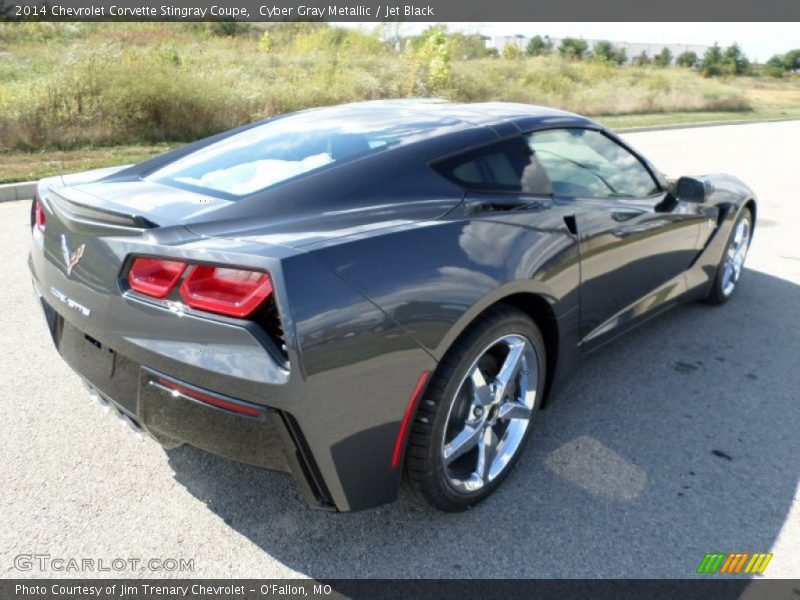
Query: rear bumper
{"points": [[271, 439]]}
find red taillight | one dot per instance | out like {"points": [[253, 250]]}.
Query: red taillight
{"points": [[154, 277], [39, 218], [232, 292], [222, 290], [212, 400]]}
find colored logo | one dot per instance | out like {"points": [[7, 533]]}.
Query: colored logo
{"points": [[734, 563]]}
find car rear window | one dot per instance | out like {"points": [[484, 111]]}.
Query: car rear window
{"points": [[507, 166], [293, 146]]}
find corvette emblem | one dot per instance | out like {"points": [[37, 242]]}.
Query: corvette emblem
{"points": [[71, 258]]}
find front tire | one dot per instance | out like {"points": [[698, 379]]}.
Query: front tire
{"points": [[477, 411], [731, 266]]}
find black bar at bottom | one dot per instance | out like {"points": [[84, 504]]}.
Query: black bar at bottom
{"points": [[711, 588]]}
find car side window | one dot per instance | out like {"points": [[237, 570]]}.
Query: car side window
{"points": [[588, 164], [508, 166]]}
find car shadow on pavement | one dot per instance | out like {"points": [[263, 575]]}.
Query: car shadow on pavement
{"points": [[678, 439]]}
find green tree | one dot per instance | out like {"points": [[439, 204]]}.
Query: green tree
{"points": [[792, 59], [573, 48], [711, 64], [538, 45], [734, 62], [663, 58], [686, 59], [775, 67], [603, 51]]}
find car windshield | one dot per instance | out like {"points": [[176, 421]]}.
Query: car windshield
{"points": [[289, 147]]}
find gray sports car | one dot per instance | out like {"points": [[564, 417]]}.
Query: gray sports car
{"points": [[374, 292]]}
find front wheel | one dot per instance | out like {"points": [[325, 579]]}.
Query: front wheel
{"points": [[732, 265], [477, 411]]}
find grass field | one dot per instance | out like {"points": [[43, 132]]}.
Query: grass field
{"points": [[28, 166], [76, 96]]}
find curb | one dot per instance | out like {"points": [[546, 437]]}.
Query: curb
{"points": [[700, 124], [9, 192]]}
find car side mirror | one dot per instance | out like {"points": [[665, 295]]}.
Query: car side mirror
{"points": [[692, 189]]}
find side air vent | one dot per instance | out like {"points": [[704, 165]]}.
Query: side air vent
{"points": [[271, 322], [311, 471], [572, 225]]}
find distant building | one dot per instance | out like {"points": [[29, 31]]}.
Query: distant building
{"points": [[632, 49]]}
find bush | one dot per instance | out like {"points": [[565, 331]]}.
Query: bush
{"points": [[730, 62], [711, 65], [512, 51], [112, 96], [573, 48], [734, 62], [430, 62], [792, 60], [605, 52], [686, 59], [592, 87], [663, 58], [538, 46], [779, 64], [230, 28]]}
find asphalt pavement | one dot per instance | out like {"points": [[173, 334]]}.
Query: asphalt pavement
{"points": [[678, 439]]}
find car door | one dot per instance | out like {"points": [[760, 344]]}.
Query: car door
{"points": [[636, 240]]}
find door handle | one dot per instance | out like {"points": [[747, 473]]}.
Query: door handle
{"points": [[622, 216]]}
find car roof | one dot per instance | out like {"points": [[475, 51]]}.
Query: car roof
{"points": [[470, 115]]}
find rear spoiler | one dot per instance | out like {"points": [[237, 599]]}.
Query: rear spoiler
{"points": [[81, 211]]}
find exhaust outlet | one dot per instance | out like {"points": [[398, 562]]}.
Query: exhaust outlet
{"points": [[94, 395], [106, 405], [126, 421]]}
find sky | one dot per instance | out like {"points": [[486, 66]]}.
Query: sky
{"points": [[758, 40]]}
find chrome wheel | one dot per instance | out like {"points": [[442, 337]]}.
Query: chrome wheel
{"points": [[490, 413], [734, 257]]}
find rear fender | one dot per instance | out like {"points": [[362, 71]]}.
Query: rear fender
{"points": [[434, 279]]}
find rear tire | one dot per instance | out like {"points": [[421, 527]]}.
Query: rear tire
{"points": [[731, 266], [477, 411]]}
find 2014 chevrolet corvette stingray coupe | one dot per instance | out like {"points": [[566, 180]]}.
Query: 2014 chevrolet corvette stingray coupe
{"points": [[372, 293]]}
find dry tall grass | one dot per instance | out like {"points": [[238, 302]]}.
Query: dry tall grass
{"points": [[65, 86]]}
